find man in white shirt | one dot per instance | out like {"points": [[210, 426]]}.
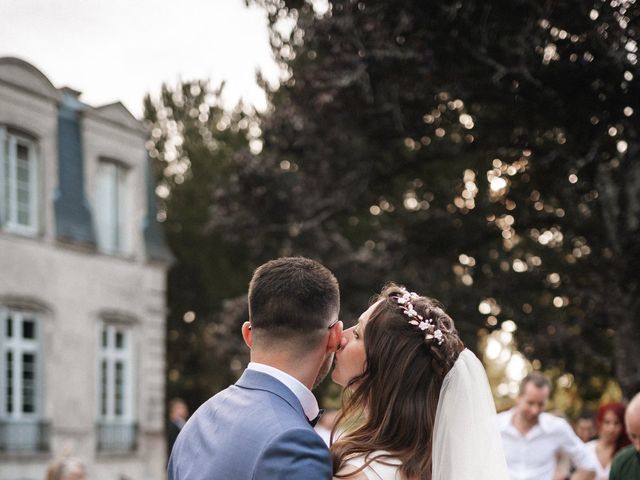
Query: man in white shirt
{"points": [[533, 439]]}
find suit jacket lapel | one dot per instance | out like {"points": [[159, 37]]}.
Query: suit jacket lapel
{"points": [[254, 380]]}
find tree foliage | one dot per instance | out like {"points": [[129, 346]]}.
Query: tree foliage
{"points": [[193, 143], [481, 151], [484, 153]]}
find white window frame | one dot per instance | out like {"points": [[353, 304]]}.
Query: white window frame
{"points": [[18, 346], [112, 355], [111, 209], [8, 156]]}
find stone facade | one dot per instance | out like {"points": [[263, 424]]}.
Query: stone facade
{"points": [[82, 325]]}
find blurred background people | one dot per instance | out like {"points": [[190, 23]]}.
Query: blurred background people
{"points": [[66, 468], [626, 464], [612, 436], [325, 425], [585, 427], [533, 439], [178, 415]]}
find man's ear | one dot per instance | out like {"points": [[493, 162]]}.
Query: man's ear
{"points": [[335, 336], [247, 335]]}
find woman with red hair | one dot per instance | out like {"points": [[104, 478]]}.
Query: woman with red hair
{"points": [[611, 436]]}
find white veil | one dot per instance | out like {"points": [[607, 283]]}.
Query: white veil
{"points": [[466, 441]]}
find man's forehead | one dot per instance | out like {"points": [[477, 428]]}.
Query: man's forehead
{"points": [[633, 423], [532, 390]]}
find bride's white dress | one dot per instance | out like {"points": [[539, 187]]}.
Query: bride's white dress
{"points": [[377, 470]]}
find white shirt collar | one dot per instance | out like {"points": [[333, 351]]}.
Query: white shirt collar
{"points": [[303, 394], [542, 423]]}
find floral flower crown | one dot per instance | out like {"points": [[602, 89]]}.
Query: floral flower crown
{"points": [[426, 325]]}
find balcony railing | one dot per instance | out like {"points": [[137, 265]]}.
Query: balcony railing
{"points": [[24, 435], [117, 437]]}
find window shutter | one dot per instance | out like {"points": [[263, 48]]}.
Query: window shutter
{"points": [[73, 215], [154, 238], [3, 180]]}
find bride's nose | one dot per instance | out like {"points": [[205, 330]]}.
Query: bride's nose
{"points": [[343, 340]]}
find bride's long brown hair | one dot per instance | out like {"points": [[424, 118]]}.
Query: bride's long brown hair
{"points": [[397, 394]]}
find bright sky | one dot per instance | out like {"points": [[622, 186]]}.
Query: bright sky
{"points": [[120, 49]]}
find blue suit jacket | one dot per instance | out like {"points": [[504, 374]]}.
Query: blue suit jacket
{"points": [[255, 429]]}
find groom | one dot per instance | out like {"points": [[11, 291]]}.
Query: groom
{"points": [[261, 427]]}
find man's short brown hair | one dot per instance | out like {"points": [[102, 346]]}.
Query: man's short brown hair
{"points": [[537, 378], [292, 296]]}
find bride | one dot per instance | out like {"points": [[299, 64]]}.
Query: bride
{"points": [[419, 404]]}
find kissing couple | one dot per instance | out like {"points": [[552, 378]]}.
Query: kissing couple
{"points": [[418, 405]]}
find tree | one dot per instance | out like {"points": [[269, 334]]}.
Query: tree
{"points": [[480, 151], [193, 141]]}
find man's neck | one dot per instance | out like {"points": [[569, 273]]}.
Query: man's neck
{"points": [[304, 371]]}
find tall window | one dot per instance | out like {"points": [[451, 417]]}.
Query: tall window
{"points": [[20, 391], [18, 183], [110, 209], [115, 389]]}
